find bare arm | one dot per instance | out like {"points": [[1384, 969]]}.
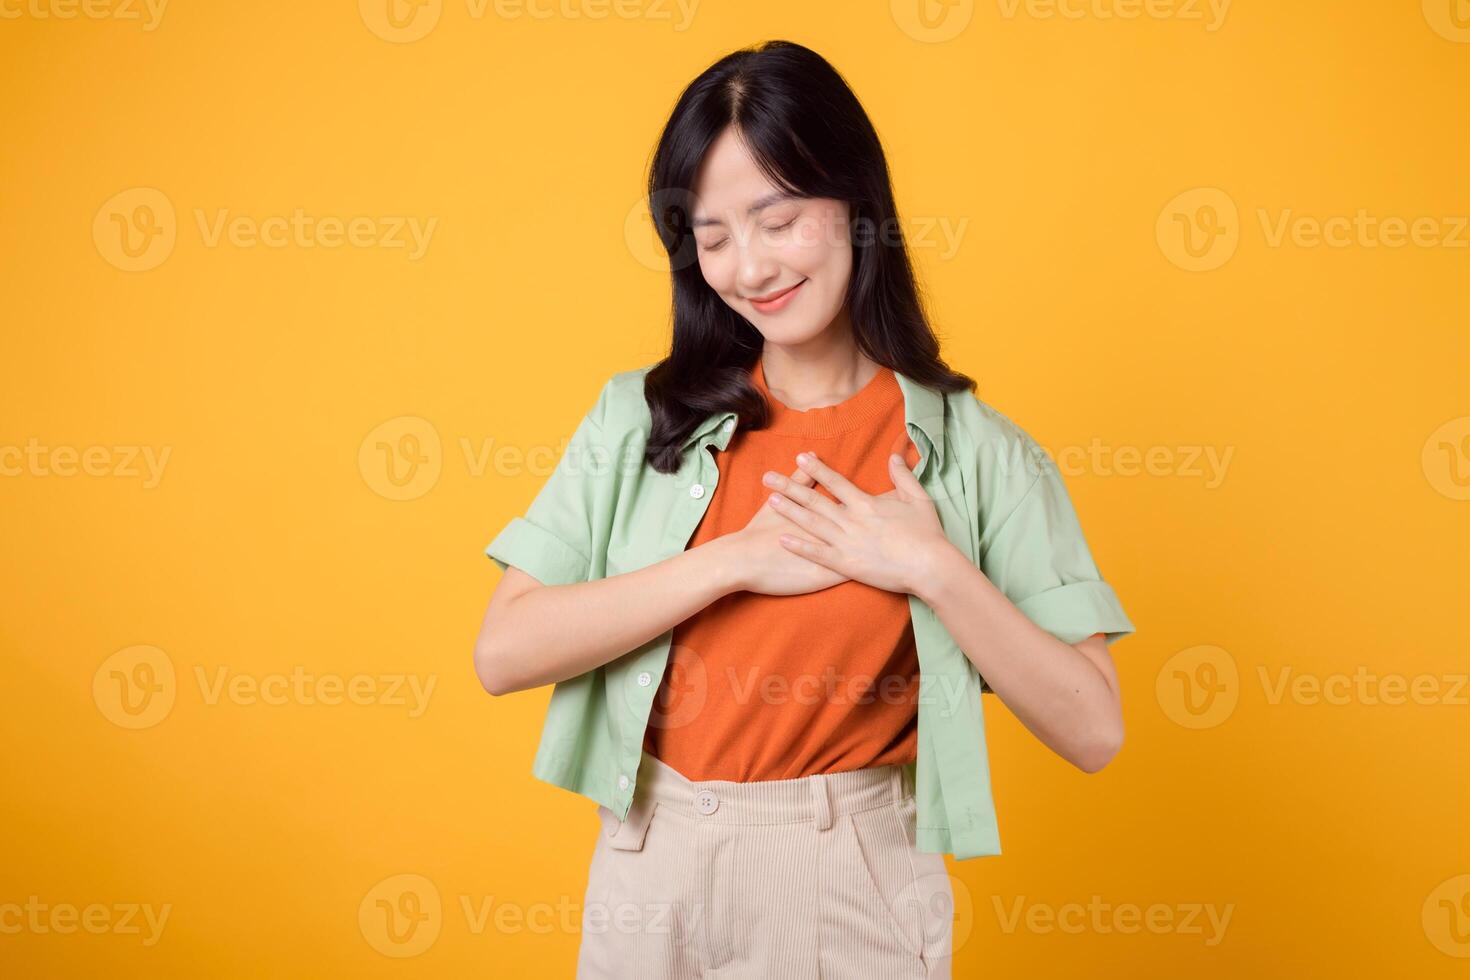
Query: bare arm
{"points": [[574, 628], [535, 634], [1067, 695]]}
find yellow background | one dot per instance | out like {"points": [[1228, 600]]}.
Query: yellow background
{"points": [[1334, 542]]}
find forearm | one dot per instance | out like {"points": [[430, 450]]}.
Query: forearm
{"points": [[555, 632], [1056, 691]]}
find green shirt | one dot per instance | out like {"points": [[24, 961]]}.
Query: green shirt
{"points": [[1000, 499]]}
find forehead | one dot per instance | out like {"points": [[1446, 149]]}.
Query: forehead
{"points": [[729, 180]]}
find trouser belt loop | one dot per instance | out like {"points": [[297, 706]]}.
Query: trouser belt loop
{"points": [[821, 802], [630, 833]]}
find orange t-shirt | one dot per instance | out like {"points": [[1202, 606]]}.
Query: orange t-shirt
{"points": [[776, 687]]}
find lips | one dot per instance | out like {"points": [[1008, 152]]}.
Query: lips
{"points": [[775, 301]]}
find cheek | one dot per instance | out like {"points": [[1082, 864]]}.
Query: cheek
{"points": [[817, 245], [718, 272], [812, 235]]}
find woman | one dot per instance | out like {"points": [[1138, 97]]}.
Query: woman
{"points": [[773, 572]]}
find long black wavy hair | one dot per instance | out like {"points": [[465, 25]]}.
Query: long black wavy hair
{"points": [[811, 137]]}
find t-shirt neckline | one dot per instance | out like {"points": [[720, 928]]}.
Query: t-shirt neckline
{"points": [[864, 406]]}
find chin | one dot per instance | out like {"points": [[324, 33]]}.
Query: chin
{"points": [[786, 334]]}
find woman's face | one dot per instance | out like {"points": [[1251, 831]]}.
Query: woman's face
{"points": [[755, 244]]}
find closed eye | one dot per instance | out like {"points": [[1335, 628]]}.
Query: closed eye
{"points": [[716, 246]]}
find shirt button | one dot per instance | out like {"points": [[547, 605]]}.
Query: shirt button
{"points": [[697, 491], [645, 679], [706, 802], [623, 782]]}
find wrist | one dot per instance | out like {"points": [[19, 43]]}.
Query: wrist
{"points": [[936, 568], [725, 569]]}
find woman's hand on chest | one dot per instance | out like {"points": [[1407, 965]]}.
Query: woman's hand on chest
{"points": [[888, 540]]}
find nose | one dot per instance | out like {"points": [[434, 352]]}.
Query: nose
{"points": [[757, 273]]}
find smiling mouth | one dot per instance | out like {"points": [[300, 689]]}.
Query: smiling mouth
{"points": [[776, 298]]}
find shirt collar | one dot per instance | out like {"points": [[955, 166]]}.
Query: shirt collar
{"points": [[923, 408]]}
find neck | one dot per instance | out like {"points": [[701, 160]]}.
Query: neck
{"points": [[803, 378]]}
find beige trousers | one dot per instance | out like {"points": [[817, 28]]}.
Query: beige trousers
{"points": [[816, 877]]}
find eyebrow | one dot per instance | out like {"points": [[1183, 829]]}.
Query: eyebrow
{"points": [[761, 203]]}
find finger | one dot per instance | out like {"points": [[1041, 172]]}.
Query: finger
{"points": [[806, 496], [809, 521], [802, 477], [822, 554], [798, 476], [842, 488], [903, 477]]}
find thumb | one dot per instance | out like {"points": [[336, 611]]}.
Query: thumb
{"points": [[903, 477]]}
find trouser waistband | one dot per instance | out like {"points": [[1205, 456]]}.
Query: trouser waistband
{"points": [[819, 797]]}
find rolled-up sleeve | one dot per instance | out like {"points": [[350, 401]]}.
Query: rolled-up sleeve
{"points": [[555, 541], [1037, 556]]}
